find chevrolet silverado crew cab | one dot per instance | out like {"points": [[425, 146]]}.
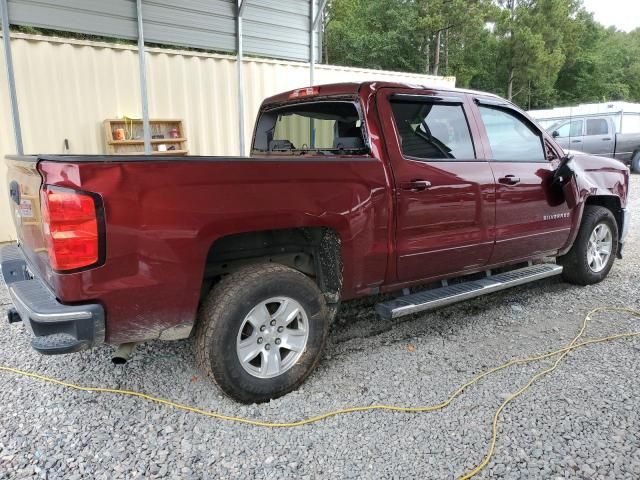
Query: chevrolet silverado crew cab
{"points": [[430, 195]]}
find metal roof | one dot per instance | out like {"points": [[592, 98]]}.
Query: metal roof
{"points": [[278, 29]]}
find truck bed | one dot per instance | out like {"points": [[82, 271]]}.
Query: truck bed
{"points": [[163, 216]]}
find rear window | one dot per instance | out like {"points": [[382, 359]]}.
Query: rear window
{"points": [[433, 131], [321, 126], [597, 126], [630, 123]]}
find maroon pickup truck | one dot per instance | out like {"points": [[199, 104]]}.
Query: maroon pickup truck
{"points": [[350, 190]]}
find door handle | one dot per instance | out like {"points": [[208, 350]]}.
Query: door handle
{"points": [[416, 185], [606, 139], [576, 141], [509, 180]]}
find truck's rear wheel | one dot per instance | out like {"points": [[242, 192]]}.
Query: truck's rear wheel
{"points": [[635, 163], [593, 252], [261, 332]]}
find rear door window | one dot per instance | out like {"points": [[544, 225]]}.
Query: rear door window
{"points": [[432, 131], [597, 126]]}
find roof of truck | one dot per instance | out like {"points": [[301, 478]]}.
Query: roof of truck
{"points": [[353, 88]]}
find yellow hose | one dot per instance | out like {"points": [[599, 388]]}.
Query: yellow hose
{"points": [[560, 354]]}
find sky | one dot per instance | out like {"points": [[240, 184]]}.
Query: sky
{"points": [[623, 14]]}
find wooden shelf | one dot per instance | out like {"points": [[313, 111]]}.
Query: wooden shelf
{"points": [[156, 152], [134, 128], [171, 152], [141, 142]]}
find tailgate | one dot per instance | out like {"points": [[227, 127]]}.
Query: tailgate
{"points": [[24, 182]]}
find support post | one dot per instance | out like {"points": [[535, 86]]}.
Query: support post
{"points": [[8, 61], [314, 18], [312, 41], [143, 82], [240, 69]]}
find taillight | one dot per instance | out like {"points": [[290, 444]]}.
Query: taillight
{"points": [[70, 223]]}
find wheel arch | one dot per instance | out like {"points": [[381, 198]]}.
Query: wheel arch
{"points": [[314, 251], [611, 203]]}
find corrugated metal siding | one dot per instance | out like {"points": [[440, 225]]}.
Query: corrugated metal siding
{"points": [[115, 18], [278, 29], [66, 88], [7, 145]]}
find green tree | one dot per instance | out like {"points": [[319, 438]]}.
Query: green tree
{"points": [[539, 53], [373, 34]]}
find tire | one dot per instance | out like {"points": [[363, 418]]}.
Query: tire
{"points": [[635, 163], [226, 329], [580, 266]]}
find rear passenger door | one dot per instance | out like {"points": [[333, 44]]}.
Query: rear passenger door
{"points": [[444, 194], [599, 137], [531, 219]]}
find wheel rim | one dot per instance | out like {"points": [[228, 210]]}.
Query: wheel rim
{"points": [[272, 337], [599, 247]]}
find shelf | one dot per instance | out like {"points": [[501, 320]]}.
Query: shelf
{"points": [[171, 152], [141, 142], [133, 144], [154, 120]]}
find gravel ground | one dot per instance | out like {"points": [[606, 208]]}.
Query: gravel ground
{"points": [[582, 421]]}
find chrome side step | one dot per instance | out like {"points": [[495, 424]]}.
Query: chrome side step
{"points": [[439, 297]]}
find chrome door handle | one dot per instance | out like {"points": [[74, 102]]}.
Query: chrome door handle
{"points": [[509, 180], [416, 185]]}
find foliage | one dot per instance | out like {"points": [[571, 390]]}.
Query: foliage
{"points": [[540, 53]]}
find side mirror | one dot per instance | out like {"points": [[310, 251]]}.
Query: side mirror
{"points": [[555, 134]]}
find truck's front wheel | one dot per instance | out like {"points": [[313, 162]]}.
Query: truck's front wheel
{"points": [[261, 332], [594, 250]]}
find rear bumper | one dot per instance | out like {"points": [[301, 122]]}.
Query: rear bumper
{"points": [[56, 328]]}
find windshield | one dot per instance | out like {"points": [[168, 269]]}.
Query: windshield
{"points": [[317, 127]]}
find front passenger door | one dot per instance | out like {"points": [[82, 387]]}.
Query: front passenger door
{"points": [[569, 135], [532, 220]]}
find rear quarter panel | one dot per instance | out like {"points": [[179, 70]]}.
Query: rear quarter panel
{"points": [[163, 216], [627, 144]]}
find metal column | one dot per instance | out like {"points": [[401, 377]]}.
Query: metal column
{"points": [[143, 82], [8, 60], [312, 41], [239, 59], [314, 21]]}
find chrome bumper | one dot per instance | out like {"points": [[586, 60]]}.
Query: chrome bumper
{"points": [[56, 327]]}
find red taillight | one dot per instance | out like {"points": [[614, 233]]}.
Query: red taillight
{"points": [[70, 226], [304, 92]]}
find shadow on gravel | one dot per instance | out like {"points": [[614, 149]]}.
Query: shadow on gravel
{"points": [[357, 318]]}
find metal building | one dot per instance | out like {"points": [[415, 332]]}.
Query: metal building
{"points": [[278, 29]]}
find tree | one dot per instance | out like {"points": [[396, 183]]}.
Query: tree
{"points": [[538, 53], [374, 34]]}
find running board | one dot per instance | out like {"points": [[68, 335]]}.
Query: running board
{"points": [[439, 297]]}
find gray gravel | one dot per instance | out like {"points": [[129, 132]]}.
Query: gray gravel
{"points": [[580, 422]]}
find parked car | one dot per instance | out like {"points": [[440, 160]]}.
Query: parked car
{"points": [[351, 190], [597, 135]]}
